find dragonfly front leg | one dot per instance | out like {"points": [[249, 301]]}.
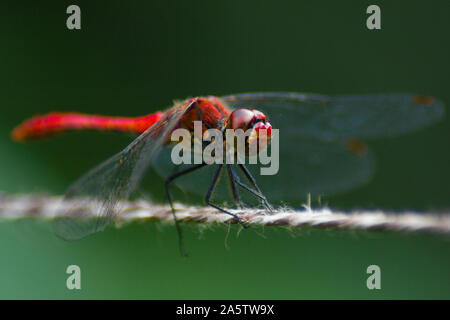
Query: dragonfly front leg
{"points": [[210, 192], [257, 193], [234, 190]]}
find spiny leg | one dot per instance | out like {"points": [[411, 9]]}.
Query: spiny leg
{"points": [[210, 192], [235, 179], [234, 190], [169, 180], [252, 181], [257, 194]]}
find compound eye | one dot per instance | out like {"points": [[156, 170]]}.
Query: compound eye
{"points": [[259, 115], [241, 119]]}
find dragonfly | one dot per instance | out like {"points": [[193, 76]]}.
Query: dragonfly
{"points": [[322, 149]]}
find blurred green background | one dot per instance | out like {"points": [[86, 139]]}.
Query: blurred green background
{"points": [[134, 57]]}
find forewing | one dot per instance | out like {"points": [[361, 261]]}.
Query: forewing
{"points": [[103, 188], [342, 117]]}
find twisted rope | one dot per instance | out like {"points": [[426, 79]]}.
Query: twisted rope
{"points": [[20, 206]]}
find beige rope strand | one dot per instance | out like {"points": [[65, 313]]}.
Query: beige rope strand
{"points": [[19, 206]]}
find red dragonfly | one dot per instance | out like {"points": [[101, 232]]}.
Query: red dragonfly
{"points": [[321, 149]]}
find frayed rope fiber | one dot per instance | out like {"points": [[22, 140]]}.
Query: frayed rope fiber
{"points": [[20, 206]]}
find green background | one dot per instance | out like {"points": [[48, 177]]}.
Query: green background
{"points": [[134, 57]]}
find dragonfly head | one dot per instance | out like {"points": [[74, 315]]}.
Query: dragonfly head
{"points": [[254, 123]]}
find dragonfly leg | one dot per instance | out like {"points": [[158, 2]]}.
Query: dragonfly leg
{"points": [[234, 190], [253, 183], [210, 192], [257, 193], [169, 181]]}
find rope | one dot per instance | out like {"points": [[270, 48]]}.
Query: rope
{"points": [[20, 206]]}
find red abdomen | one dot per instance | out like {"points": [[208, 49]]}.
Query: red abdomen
{"points": [[56, 122]]}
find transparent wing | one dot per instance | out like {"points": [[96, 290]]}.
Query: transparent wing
{"points": [[342, 117], [102, 189]]}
